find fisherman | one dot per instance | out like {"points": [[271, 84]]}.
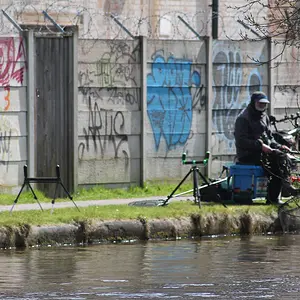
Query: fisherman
{"points": [[255, 145]]}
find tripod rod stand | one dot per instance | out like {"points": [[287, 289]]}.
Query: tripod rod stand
{"points": [[196, 173]]}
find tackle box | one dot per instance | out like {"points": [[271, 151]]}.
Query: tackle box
{"points": [[249, 178]]}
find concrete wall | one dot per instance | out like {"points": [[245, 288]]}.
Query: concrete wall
{"points": [[109, 110], [110, 84], [110, 115], [176, 106], [176, 111], [235, 77], [109, 118], [286, 79], [13, 110]]}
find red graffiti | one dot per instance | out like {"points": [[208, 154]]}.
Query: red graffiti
{"points": [[12, 61], [7, 98], [12, 65]]}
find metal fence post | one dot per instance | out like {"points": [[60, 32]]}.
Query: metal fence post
{"points": [[209, 72], [271, 79], [30, 44], [143, 45], [75, 107]]}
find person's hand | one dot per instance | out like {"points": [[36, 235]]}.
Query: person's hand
{"points": [[285, 148], [266, 149]]}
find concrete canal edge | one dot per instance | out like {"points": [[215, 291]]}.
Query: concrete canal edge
{"points": [[97, 231]]}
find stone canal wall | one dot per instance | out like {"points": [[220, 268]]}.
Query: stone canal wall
{"points": [[96, 231]]}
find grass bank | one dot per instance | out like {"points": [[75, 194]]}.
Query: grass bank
{"points": [[100, 193], [174, 210], [179, 219], [112, 223], [116, 223]]}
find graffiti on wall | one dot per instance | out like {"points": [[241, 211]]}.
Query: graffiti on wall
{"points": [[5, 148], [6, 130], [111, 82], [170, 99], [12, 73], [111, 96], [109, 89], [230, 91], [12, 66], [115, 68], [103, 133]]}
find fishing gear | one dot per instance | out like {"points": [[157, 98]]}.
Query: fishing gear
{"points": [[290, 138]]}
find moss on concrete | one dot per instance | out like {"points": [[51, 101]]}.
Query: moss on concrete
{"points": [[97, 231]]}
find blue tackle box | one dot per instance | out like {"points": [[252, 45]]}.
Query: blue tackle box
{"points": [[249, 178]]}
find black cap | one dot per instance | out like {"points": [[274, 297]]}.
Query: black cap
{"points": [[260, 97]]}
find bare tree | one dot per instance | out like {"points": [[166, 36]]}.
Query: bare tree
{"points": [[280, 21]]}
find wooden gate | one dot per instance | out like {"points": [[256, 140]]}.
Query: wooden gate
{"points": [[54, 108]]}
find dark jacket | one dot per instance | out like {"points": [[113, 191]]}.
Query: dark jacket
{"points": [[252, 127]]}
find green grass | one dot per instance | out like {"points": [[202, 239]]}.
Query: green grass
{"points": [[176, 209], [150, 189], [100, 193], [71, 215]]}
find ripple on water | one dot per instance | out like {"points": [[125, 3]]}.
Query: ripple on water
{"points": [[218, 268]]}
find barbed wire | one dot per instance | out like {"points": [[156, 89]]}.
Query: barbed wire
{"points": [[95, 23]]}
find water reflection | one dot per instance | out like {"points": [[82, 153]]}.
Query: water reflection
{"points": [[215, 268]]}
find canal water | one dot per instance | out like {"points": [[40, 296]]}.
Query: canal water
{"points": [[257, 267]]}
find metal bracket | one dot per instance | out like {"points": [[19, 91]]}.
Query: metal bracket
{"points": [[12, 21], [53, 21], [190, 27], [122, 26], [249, 28]]}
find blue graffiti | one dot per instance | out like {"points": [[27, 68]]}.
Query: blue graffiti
{"points": [[231, 92], [169, 99]]}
